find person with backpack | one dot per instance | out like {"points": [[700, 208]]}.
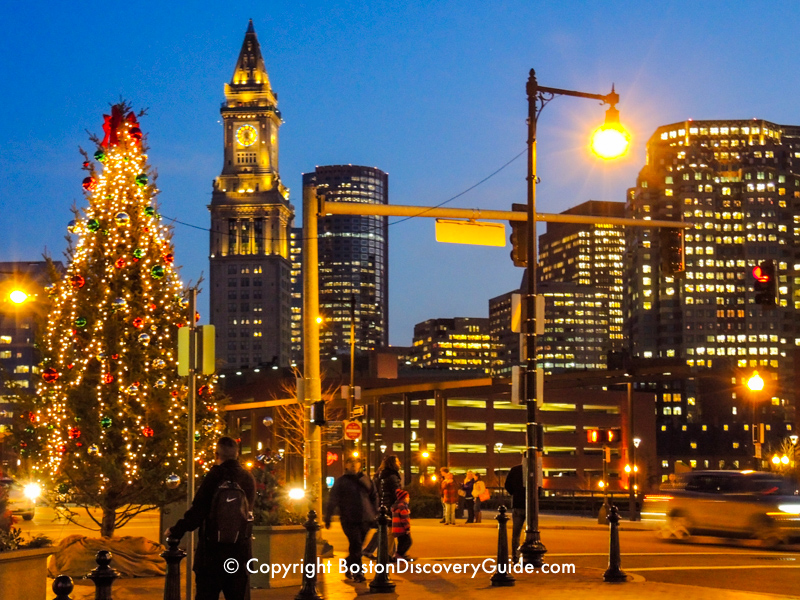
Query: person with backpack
{"points": [[354, 497], [222, 509]]}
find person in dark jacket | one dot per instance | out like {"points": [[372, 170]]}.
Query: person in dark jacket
{"points": [[515, 486], [387, 482], [469, 499], [210, 576], [354, 497]]}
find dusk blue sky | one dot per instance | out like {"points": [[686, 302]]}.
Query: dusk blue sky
{"points": [[431, 92]]}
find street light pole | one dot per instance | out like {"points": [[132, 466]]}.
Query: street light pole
{"points": [[532, 549]]}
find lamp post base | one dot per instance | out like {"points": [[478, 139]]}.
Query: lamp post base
{"points": [[532, 551]]}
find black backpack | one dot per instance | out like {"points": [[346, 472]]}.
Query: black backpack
{"points": [[230, 514]]}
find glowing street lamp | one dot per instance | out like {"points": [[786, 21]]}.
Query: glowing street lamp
{"points": [[755, 383], [18, 297], [611, 140]]}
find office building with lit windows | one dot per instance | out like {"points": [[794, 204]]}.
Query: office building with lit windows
{"points": [[457, 344], [737, 183], [296, 278], [589, 254], [23, 306], [251, 220], [353, 260]]}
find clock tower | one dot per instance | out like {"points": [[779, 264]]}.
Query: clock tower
{"points": [[251, 218]]}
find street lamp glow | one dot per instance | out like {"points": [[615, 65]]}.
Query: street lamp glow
{"points": [[18, 296], [755, 383], [628, 468], [611, 140], [297, 493], [319, 320], [32, 491], [784, 460], [601, 484], [425, 454], [776, 460]]}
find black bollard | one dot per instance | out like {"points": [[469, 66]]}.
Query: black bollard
{"points": [[502, 576], [614, 574], [382, 583], [103, 576], [309, 589], [62, 587], [172, 582]]}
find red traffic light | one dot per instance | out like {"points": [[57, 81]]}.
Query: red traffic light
{"points": [[760, 274]]}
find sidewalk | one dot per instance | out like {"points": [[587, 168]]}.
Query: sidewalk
{"points": [[587, 584]]}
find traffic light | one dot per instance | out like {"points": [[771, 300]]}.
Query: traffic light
{"points": [[765, 285], [671, 250], [520, 235], [318, 413], [593, 436], [612, 436]]}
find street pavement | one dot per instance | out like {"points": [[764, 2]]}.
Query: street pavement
{"points": [[706, 568]]}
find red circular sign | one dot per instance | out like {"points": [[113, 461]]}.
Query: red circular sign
{"points": [[352, 430]]}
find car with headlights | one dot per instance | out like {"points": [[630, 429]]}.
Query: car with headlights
{"points": [[736, 504], [21, 498]]}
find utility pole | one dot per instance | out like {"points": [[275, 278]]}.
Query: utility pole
{"points": [[190, 409]]}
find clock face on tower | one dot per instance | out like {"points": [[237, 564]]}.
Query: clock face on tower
{"points": [[246, 135]]}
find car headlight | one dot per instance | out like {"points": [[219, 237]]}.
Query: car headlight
{"points": [[792, 509], [32, 491]]}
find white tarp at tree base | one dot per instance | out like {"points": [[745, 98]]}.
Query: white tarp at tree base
{"points": [[131, 556]]}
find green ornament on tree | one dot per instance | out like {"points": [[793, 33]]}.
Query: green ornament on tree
{"points": [[100, 156], [149, 211], [141, 179], [93, 225], [63, 489], [105, 422], [138, 253], [157, 272], [80, 322], [196, 436]]}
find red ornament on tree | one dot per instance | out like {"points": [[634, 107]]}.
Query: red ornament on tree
{"points": [[169, 258], [114, 356], [50, 375], [174, 393], [119, 263], [179, 325], [202, 390], [138, 322], [74, 433], [88, 183], [135, 133], [108, 378], [77, 281], [152, 307], [87, 164], [147, 431]]}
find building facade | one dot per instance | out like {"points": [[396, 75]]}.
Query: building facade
{"points": [[251, 220], [353, 260], [457, 344], [19, 318], [737, 183], [589, 254]]}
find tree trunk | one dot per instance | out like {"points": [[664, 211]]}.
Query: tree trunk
{"points": [[109, 522]]}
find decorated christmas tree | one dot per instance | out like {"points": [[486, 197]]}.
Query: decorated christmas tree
{"points": [[109, 425]]}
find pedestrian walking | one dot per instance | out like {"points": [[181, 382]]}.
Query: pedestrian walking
{"points": [[222, 509], [353, 497], [469, 500], [387, 482], [481, 494], [515, 486], [450, 497], [401, 524]]}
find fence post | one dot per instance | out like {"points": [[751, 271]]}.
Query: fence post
{"points": [[614, 574], [502, 577], [103, 576], [309, 589], [172, 582], [62, 587], [382, 583]]}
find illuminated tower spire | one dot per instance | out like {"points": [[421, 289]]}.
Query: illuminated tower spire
{"points": [[251, 218]]}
